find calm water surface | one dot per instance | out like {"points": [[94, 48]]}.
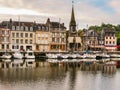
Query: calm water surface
{"points": [[57, 78]]}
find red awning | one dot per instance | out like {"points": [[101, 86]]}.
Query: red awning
{"points": [[118, 46]]}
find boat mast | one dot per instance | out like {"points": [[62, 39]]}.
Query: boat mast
{"points": [[77, 37], [59, 36]]}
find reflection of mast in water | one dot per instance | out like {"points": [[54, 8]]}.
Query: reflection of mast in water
{"points": [[72, 78]]}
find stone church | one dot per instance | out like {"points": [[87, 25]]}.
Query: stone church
{"points": [[74, 41]]}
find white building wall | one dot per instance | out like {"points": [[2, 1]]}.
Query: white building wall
{"points": [[16, 40]]}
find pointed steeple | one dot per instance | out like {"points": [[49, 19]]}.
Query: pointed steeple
{"points": [[72, 21]]}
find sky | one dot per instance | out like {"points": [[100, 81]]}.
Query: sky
{"points": [[87, 12]]}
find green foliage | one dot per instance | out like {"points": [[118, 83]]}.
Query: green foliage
{"points": [[118, 41], [103, 25]]}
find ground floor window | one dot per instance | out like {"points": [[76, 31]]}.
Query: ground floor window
{"points": [[2, 46], [7, 46], [28, 48]]}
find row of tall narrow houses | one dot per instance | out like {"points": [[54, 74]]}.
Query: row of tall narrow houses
{"points": [[17, 35], [51, 37], [22, 35], [106, 40]]}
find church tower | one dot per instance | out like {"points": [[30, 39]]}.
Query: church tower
{"points": [[72, 25], [74, 41]]}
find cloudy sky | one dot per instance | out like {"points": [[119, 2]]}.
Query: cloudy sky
{"points": [[87, 12]]}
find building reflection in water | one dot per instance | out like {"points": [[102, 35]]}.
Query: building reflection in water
{"points": [[28, 70], [29, 74]]}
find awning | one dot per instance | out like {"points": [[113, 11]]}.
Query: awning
{"points": [[70, 39], [118, 46], [78, 39], [97, 46]]}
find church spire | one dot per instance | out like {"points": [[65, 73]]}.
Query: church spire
{"points": [[72, 22]]}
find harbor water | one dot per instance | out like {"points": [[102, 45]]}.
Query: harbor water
{"points": [[56, 78]]}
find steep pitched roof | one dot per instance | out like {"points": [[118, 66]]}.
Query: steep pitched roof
{"points": [[109, 30]]}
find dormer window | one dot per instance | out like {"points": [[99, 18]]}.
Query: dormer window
{"points": [[22, 28], [39, 28], [13, 27], [43, 28], [17, 27], [26, 28], [47, 28], [31, 28]]}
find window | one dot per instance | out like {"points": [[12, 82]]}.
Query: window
{"points": [[21, 34], [110, 42], [3, 39], [39, 27], [26, 41], [26, 34], [13, 41], [17, 27], [53, 39], [17, 40], [106, 42], [13, 34], [62, 39], [58, 39], [113, 42], [106, 37], [21, 41], [47, 28], [7, 32], [26, 28], [12, 46], [2, 46], [17, 46], [22, 28], [17, 34], [13, 27], [3, 32], [7, 46], [43, 28], [110, 37], [31, 41], [62, 34], [31, 35], [31, 28], [7, 39]]}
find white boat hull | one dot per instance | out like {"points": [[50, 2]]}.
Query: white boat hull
{"points": [[6, 56], [30, 57], [18, 56], [115, 56]]}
